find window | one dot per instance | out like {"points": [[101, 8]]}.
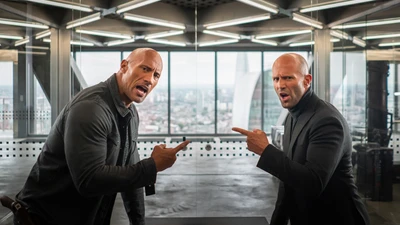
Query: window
{"points": [[192, 92], [6, 99], [97, 66]]}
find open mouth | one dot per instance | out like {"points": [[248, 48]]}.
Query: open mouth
{"points": [[284, 96], [142, 88]]}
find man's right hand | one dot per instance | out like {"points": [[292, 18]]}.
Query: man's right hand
{"points": [[165, 157]]}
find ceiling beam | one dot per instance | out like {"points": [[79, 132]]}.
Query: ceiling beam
{"points": [[365, 13], [28, 16]]}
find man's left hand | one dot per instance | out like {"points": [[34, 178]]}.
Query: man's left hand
{"points": [[257, 140]]}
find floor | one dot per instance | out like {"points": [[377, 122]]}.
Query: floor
{"points": [[219, 183]]}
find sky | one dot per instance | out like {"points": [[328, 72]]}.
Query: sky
{"points": [[6, 73]]}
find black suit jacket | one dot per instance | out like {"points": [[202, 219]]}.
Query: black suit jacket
{"points": [[317, 185]]}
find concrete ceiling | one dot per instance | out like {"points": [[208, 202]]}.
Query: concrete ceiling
{"points": [[193, 15]]}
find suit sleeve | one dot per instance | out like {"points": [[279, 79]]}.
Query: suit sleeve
{"points": [[85, 140], [323, 154]]}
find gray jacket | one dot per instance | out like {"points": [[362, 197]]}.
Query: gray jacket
{"points": [[77, 169]]}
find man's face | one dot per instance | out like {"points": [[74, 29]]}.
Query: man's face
{"points": [[289, 82], [140, 76]]}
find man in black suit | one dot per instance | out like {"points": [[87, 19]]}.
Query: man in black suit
{"points": [[314, 168]]}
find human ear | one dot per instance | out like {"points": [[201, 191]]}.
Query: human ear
{"points": [[307, 80], [124, 66]]}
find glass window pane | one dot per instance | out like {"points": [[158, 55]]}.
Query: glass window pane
{"points": [[6, 99], [97, 66], [153, 111], [239, 90], [192, 92], [41, 116], [348, 87]]}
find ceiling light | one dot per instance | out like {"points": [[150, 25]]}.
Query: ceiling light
{"points": [[104, 33], [81, 43], [368, 23], [261, 5], [3, 36], [154, 21], [64, 4], [133, 5], [32, 53], [273, 43], [22, 23], [167, 42], [218, 42], [381, 36], [389, 44], [340, 34], [301, 43], [222, 34], [242, 20], [308, 21], [84, 20], [359, 42], [282, 34], [330, 5], [21, 42], [164, 34], [309, 43], [119, 42], [43, 34], [37, 47]]}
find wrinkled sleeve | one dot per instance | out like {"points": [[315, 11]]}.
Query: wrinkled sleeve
{"points": [[87, 125]]}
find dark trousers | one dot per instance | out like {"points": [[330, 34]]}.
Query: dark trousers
{"points": [[36, 219]]}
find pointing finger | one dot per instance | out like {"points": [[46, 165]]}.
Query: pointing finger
{"points": [[240, 130], [181, 146]]}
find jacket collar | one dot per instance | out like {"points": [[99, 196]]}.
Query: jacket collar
{"points": [[114, 90]]}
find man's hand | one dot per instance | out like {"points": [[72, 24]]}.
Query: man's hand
{"points": [[166, 157], [257, 140]]}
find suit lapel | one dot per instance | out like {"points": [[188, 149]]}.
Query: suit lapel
{"points": [[286, 134], [303, 119], [301, 122]]}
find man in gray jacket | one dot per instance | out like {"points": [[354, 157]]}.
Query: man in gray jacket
{"points": [[91, 152]]}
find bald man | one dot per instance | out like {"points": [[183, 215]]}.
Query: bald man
{"points": [[91, 152], [314, 168]]}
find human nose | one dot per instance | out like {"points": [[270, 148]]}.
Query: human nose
{"points": [[149, 78], [280, 84]]}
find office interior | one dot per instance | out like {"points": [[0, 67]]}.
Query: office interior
{"points": [[217, 59]]}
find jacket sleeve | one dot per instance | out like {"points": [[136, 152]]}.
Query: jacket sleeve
{"points": [[324, 151], [87, 125]]}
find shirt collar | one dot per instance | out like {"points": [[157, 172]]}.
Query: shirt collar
{"points": [[114, 90], [302, 104]]}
